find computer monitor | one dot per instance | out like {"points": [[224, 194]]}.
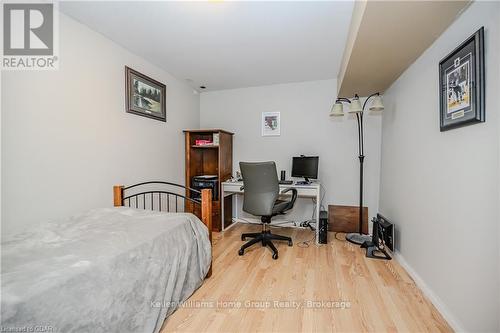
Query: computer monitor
{"points": [[305, 166]]}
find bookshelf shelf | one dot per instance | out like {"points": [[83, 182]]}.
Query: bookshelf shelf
{"points": [[205, 146]]}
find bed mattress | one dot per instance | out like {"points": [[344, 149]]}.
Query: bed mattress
{"points": [[107, 270]]}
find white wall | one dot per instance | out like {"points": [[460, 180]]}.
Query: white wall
{"points": [[442, 189], [498, 50], [66, 138], [1, 154], [306, 128]]}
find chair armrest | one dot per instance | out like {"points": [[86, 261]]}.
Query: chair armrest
{"points": [[294, 194]]}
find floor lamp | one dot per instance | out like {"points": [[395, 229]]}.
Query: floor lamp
{"points": [[355, 108]]}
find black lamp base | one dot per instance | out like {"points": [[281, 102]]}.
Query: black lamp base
{"points": [[357, 238]]}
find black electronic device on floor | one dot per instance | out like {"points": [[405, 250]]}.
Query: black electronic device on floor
{"points": [[382, 238], [323, 227]]}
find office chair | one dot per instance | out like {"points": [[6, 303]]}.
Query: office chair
{"points": [[261, 185]]}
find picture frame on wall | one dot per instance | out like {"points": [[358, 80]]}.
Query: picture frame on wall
{"points": [[144, 95], [271, 124], [462, 84]]}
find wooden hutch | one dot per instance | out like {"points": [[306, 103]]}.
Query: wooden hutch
{"points": [[215, 159]]}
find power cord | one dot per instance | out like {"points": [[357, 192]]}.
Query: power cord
{"points": [[304, 224], [307, 224], [306, 243], [340, 239]]}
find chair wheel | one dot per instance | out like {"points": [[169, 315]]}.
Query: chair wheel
{"points": [[243, 238], [275, 256], [240, 252], [290, 243]]}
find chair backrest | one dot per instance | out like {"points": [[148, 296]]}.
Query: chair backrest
{"points": [[261, 187]]}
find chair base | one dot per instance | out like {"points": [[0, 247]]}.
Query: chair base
{"points": [[265, 237]]}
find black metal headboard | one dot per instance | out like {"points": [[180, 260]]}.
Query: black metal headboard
{"points": [[144, 195], [155, 195]]}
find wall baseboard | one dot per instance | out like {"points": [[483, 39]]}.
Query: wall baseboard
{"points": [[429, 293]]}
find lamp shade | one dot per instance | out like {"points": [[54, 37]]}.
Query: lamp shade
{"points": [[355, 106], [337, 110], [377, 104]]}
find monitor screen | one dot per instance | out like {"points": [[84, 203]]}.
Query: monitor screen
{"points": [[305, 166]]}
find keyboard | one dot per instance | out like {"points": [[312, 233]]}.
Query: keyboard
{"points": [[286, 182]]}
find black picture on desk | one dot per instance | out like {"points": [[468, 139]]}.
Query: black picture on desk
{"points": [[462, 84]]}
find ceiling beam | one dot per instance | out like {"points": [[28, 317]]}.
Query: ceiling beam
{"points": [[386, 37]]}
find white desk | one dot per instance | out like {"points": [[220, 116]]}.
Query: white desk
{"points": [[304, 191]]}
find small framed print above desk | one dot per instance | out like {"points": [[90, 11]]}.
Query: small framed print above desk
{"points": [[230, 188]]}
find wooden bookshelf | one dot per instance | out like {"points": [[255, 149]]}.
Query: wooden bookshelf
{"points": [[209, 160]]}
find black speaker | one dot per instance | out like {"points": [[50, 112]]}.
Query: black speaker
{"points": [[283, 175], [323, 227], [382, 238], [384, 231]]}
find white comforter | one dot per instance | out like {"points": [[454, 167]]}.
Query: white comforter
{"points": [[108, 270]]}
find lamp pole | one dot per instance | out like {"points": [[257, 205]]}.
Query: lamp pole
{"points": [[358, 237], [353, 237]]}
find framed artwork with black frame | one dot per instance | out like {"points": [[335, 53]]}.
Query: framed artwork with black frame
{"points": [[462, 84], [144, 95]]}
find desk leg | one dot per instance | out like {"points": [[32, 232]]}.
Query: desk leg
{"points": [[222, 209], [236, 210], [318, 209], [233, 220]]}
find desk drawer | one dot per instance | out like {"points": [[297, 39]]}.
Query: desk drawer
{"points": [[307, 192], [231, 187]]}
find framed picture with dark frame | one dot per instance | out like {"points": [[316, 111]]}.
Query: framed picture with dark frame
{"points": [[462, 84], [144, 95]]}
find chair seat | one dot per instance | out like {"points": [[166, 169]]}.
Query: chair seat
{"points": [[280, 206]]}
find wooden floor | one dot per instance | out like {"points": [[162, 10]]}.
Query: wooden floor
{"points": [[358, 294]]}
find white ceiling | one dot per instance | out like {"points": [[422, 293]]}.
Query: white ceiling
{"points": [[225, 45]]}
